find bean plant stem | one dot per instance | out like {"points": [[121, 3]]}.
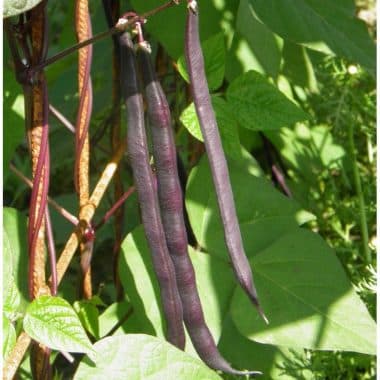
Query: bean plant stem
{"points": [[36, 118], [360, 195], [66, 214], [52, 254], [88, 213], [98, 37], [15, 357], [115, 207], [64, 121], [355, 170], [37, 124], [82, 142]]}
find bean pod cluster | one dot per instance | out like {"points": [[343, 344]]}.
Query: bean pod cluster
{"points": [[162, 211]]}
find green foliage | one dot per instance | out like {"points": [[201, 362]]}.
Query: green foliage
{"points": [[138, 357], [329, 29], [9, 336], [311, 316], [15, 263], [275, 362], [319, 307], [53, 322], [171, 34], [14, 8], [116, 314], [267, 207], [13, 119], [296, 76], [260, 106], [248, 52], [88, 314]]}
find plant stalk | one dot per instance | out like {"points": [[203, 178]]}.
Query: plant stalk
{"points": [[360, 195]]}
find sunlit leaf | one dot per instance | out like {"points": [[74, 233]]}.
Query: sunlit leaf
{"points": [[141, 357], [53, 322], [15, 7]]}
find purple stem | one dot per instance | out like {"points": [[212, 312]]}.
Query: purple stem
{"points": [[115, 207], [41, 179], [51, 252], [277, 174], [114, 30], [67, 215], [280, 179]]}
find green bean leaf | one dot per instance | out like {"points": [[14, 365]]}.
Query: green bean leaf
{"points": [[307, 298], [16, 7], [328, 27], [9, 336], [308, 150], [15, 263], [88, 314], [260, 106], [302, 287], [274, 362], [53, 322], [171, 34], [117, 314], [254, 46], [140, 357]]}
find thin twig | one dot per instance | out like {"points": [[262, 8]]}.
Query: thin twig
{"points": [[115, 207], [280, 179], [359, 193], [61, 210], [120, 322], [119, 27], [51, 251], [88, 213], [357, 182], [61, 118]]}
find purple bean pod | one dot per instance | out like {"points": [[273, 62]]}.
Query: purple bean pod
{"points": [[215, 154], [172, 212], [147, 195]]}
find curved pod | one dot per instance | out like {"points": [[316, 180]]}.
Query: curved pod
{"points": [[171, 205], [147, 195], [215, 154]]}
